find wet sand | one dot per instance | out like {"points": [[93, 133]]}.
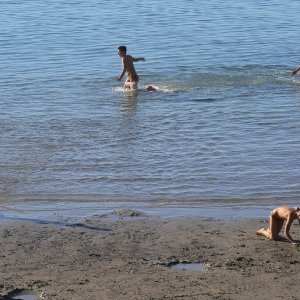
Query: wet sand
{"points": [[126, 255]]}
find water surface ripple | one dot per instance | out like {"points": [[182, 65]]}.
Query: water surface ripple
{"points": [[224, 124]]}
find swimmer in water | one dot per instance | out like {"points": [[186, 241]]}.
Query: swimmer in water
{"points": [[150, 88], [296, 71]]}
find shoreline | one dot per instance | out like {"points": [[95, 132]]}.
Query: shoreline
{"points": [[127, 257], [74, 211]]}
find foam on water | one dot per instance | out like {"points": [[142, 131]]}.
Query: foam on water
{"points": [[143, 88]]}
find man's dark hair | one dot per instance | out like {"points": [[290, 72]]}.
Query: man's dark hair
{"points": [[123, 49]]}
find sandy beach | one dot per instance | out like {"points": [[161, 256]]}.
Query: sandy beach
{"points": [[127, 255]]}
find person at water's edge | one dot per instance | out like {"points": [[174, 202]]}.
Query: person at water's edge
{"points": [[277, 218]]}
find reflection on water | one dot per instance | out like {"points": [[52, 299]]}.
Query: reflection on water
{"points": [[129, 103], [186, 266], [22, 294]]}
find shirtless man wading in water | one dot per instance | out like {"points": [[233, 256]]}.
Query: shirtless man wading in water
{"points": [[128, 67]]}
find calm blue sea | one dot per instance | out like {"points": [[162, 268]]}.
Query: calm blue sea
{"points": [[224, 125]]}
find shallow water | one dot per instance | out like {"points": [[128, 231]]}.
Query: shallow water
{"points": [[188, 267], [20, 294], [223, 126], [72, 213]]}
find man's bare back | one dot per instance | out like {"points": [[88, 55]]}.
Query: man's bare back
{"points": [[128, 66]]}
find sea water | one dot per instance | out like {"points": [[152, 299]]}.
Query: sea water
{"points": [[224, 124]]}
